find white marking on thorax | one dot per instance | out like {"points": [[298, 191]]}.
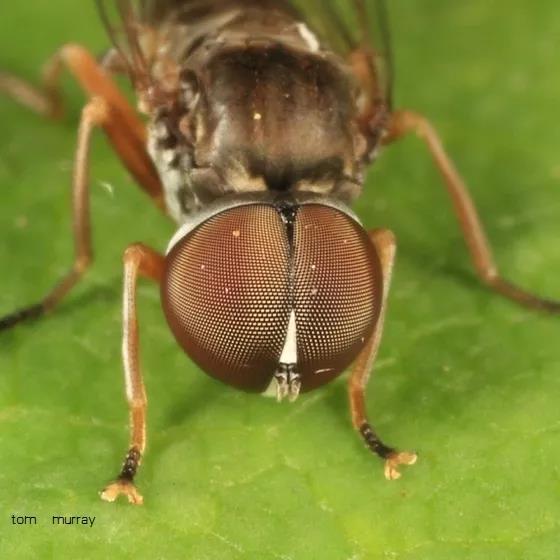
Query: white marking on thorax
{"points": [[309, 37], [173, 169]]}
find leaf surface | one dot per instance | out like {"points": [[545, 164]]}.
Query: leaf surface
{"points": [[468, 380]]}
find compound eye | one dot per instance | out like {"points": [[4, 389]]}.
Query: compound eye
{"points": [[225, 295], [338, 292]]}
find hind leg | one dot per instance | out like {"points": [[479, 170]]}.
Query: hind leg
{"points": [[404, 122]]}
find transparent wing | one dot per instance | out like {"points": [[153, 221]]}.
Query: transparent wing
{"points": [[351, 26], [125, 22], [133, 25]]}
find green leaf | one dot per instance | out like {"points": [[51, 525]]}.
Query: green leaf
{"points": [[467, 379]]}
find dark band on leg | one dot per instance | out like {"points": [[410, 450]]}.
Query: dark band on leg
{"points": [[21, 315], [124, 484], [374, 443], [130, 465]]}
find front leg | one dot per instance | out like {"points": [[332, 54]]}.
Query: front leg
{"points": [[138, 260], [385, 244]]}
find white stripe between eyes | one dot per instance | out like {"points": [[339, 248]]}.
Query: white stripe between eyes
{"points": [[289, 353]]}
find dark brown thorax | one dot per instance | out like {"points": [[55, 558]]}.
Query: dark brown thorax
{"points": [[281, 116], [257, 104]]}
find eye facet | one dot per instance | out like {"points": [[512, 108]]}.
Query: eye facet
{"points": [[226, 294]]}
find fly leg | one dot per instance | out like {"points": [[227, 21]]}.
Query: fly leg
{"points": [[94, 114], [143, 261], [107, 109], [374, 108], [384, 242], [46, 101], [125, 130], [403, 122]]}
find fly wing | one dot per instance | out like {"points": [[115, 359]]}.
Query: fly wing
{"points": [[127, 24], [358, 30], [137, 28], [356, 26]]}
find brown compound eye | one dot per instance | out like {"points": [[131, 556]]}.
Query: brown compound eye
{"points": [[338, 292], [233, 284], [226, 294]]}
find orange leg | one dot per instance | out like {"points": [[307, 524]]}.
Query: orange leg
{"points": [[125, 130], [43, 102], [385, 244], [107, 109], [374, 113], [143, 261], [403, 122]]}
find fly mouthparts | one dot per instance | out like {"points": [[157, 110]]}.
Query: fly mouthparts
{"points": [[288, 382]]}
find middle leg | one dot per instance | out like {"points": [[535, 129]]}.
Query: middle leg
{"points": [[94, 114], [125, 130], [107, 109]]}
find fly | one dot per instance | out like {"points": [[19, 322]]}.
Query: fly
{"points": [[261, 118]]}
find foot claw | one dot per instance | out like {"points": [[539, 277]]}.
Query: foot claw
{"points": [[122, 487], [395, 460]]}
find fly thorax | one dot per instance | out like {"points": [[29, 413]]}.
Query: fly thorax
{"points": [[173, 161]]}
